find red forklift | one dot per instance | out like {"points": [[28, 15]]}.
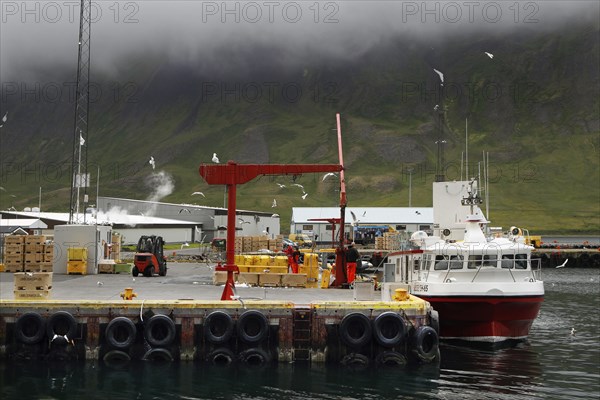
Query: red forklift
{"points": [[149, 258]]}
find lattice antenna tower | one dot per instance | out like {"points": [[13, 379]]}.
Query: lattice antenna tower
{"points": [[80, 176]]}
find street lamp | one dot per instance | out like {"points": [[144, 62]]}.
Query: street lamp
{"points": [[410, 171]]}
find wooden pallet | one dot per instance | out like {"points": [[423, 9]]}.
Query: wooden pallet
{"points": [[32, 294], [38, 267]]}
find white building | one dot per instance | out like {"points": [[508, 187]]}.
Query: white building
{"points": [[362, 224]]}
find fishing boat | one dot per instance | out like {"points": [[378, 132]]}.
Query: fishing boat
{"points": [[484, 285]]}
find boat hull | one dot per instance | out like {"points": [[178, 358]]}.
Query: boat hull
{"points": [[486, 319]]}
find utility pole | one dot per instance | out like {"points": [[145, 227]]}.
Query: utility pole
{"points": [[79, 174]]}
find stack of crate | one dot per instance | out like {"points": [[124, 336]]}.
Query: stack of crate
{"points": [[77, 260], [34, 259], [13, 253], [239, 244], [379, 243], [32, 285], [116, 247], [391, 240]]}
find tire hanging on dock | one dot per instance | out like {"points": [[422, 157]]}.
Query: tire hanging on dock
{"points": [[120, 333], [61, 323], [30, 328], [389, 329], [221, 356], [390, 359], [160, 330], [254, 357], [158, 355], [355, 330], [425, 343], [252, 326], [116, 358], [218, 327]]}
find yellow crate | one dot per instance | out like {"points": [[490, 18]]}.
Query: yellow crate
{"points": [[312, 272], [32, 294], [77, 267], [13, 267], [281, 261], [33, 281], [248, 278], [269, 279], [268, 269], [35, 239], [294, 280], [2, 267], [325, 278], [14, 239], [33, 258], [76, 254], [13, 249]]}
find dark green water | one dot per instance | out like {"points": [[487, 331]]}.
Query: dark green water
{"points": [[554, 364]]}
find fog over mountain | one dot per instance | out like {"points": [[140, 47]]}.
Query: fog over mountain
{"points": [[39, 39]]}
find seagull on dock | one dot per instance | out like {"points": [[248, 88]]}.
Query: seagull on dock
{"points": [[215, 159], [186, 244], [490, 55], [274, 203], [563, 264], [152, 162], [441, 75], [198, 193], [327, 175]]}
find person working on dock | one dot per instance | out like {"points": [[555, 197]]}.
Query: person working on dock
{"points": [[293, 254], [352, 258]]}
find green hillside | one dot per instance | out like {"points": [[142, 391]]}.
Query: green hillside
{"points": [[534, 108]]}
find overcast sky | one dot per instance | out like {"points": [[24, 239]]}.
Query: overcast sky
{"points": [[42, 36]]}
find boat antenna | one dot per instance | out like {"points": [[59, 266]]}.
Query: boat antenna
{"points": [[466, 149]]}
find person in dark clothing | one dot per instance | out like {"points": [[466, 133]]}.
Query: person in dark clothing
{"points": [[352, 258]]}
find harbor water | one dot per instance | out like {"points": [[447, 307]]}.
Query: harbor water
{"points": [[561, 360]]}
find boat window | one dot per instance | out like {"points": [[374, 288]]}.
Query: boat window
{"points": [[456, 262], [474, 262], [490, 260], [521, 261], [416, 264], [441, 263], [507, 261]]}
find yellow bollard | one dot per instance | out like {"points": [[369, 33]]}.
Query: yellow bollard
{"points": [[128, 294], [400, 295]]}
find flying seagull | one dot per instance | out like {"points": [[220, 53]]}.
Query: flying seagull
{"points": [[215, 159], [4, 119], [299, 185], [281, 185], [304, 195], [274, 203], [185, 210], [275, 216], [242, 221], [490, 55], [354, 220], [437, 107], [563, 264], [152, 162], [327, 175], [200, 193], [81, 140], [1, 188], [184, 245], [441, 76]]}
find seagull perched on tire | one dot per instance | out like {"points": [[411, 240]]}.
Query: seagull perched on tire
{"points": [[215, 159]]}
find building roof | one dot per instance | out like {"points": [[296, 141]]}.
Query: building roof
{"points": [[104, 218], [25, 223], [366, 215]]}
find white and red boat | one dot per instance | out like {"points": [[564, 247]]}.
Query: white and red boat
{"points": [[486, 288]]}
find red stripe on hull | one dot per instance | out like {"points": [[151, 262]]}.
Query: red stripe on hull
{"points": [[486, 318]]}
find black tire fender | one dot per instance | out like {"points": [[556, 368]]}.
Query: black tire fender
{"points": [[355, 329], [390, 359], [355, 361], [389, 329], [120, 332], [159, 331], [222, 356], [254, 357], [158, 355], [61, 323], [218, 327], [116, 358], [425, 343], [252, 326], [30, 328]]}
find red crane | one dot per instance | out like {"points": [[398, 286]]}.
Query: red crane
{"points": [[233, 174]]}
